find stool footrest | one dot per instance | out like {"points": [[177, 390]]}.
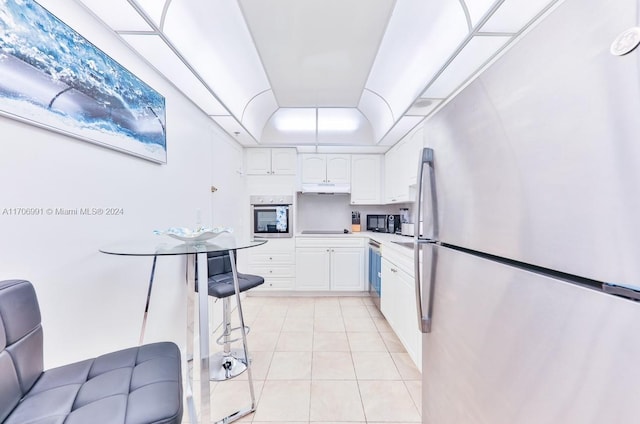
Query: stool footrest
{"points": [[221, 340]]}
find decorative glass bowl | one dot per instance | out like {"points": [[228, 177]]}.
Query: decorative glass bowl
{"points": [[189, 235]]}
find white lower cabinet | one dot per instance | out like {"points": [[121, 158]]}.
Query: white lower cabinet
{"points": [[313, 268], [398, 305], [274, 261], [387, 299], [330, 264], [347, 268]]}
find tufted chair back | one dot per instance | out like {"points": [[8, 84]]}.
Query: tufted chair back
{"points": [[21, 358]]}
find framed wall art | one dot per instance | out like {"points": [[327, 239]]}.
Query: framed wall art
{"points": [[52, 77]]}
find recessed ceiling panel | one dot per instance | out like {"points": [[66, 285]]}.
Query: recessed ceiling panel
{"points": [[153, 8], [213, 37], [400, 129], [424, 106], [477, 9], [513, 15], [475, 54], [291, 126], [165, 61], [317, 52], [118, 14], [235, 130], [377, 112], [295, 120], [342, 126], [258, 112], [421, 37], [350, 149]]}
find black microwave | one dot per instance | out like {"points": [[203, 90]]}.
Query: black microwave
{"points": [[383, 223]]}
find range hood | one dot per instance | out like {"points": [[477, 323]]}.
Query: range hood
{"points": [[327, 188]]}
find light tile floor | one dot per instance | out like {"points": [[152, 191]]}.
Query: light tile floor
{"points": [[321, 360]]}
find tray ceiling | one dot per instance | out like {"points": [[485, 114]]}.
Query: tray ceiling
{"points": [[354, 75]]}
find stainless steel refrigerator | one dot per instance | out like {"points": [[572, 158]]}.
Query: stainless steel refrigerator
{"points": [[530, 200]]}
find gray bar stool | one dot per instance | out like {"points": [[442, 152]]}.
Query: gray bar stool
{"points": [[230, 363]]}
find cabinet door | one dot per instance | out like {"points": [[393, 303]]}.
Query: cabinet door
{"points": [[407, 316], [414, 151], [347, 269], [365, 179], [396, 174], [283, 161], [312, 268], [314, 169], [258, 161], [390, 168], [339, 169], [387, 291]]}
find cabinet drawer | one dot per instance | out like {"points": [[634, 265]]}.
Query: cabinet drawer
{"points": [[403, 261], [266, 271], [329, 242], [266, 258], [276, 283]]}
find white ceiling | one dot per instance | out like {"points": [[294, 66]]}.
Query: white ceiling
{"points": [[343, 75], [317, 53]]}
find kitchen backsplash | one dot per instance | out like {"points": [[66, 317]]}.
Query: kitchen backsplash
{"points": [[333, 211]]}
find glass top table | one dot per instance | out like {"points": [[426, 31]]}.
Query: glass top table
{"points": [[161, 246], [195, 253]]}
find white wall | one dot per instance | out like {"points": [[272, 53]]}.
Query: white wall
{"points": [[333, 211], [92, 302]]}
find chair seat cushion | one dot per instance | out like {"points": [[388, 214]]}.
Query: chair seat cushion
{"points": [[140, 385], [221, 285]]}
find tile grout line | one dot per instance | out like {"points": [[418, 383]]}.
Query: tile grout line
{"points": [[353, 363], [313, 332], [377, 331]]}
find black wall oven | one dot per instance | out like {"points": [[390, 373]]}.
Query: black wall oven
{"points": [[271, 216]]}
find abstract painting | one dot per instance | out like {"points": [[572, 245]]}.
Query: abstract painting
{"points": [[52, 77]]}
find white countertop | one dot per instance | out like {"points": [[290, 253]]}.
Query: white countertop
{"points": [[385, 239]]}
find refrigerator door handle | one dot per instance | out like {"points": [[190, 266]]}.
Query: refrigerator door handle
{"points": [[426, 159], [424, 321]]}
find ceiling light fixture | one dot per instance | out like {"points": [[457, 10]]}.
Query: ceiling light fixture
{"points": [[338, 125], [338, 120], [295, 120], [323, 119]]}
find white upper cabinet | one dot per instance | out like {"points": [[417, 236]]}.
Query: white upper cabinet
{"points": [[257, 161], [264, 161], [401, 167], [396, 172], [314, 168], [414, 150], [366, 184], [326, 168], [284, 161], [339, 169]]}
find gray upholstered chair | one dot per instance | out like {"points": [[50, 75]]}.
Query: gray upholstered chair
{"points": [[140, 385]]}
